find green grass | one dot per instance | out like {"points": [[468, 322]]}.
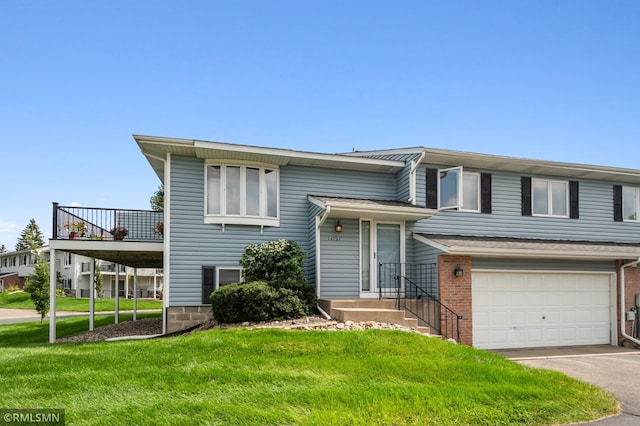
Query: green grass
{"points": [[29, 334], [278, 377], [23, 301]]}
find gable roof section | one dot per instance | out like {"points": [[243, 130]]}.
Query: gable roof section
{"points": [[355, 208], [529, 248], [156, 149]]}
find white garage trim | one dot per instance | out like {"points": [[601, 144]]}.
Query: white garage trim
{"points": [[523, 308]]}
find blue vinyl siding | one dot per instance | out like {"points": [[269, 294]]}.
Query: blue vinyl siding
{"points": [[595, 222], [194, 243], [340, 260]]}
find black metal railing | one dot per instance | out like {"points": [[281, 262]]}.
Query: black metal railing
{"points": [[92, 223], [413, 286]]}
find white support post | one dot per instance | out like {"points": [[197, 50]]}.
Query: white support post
{"points": [[135, 293], [92, 291], [52, 295], [117, 300]]}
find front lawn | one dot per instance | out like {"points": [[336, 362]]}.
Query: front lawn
{"points": [[22, 300], [279, 377]]}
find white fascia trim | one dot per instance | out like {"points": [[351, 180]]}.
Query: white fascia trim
{"points": [[291, 154], [431, 243], [532, 253], [397, 151]]}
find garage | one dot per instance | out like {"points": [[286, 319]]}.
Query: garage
{"points": [[541, 309]]}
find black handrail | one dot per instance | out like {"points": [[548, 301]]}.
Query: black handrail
{"points": [[416, 298], [419, 302]]}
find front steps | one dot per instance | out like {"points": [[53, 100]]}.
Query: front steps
{"points": [[362, 310]]}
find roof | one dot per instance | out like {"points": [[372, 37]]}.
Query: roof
{"points": [[156, 150], [355, 208], [454, 158], [532, 248]]}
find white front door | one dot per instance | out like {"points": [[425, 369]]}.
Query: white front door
{"points": [[380, 242]]}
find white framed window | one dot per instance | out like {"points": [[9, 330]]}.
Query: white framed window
{"points": [[630, 204], [228, 275], [550, 197], [66, 258], [458, 190], [242, 194]]}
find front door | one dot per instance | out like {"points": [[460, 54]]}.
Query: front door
{"points": [[380, 242]]}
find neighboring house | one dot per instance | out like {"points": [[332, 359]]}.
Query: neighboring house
{"points": [[74, 272], [528, 253]]}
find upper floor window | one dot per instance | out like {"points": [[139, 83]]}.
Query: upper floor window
{"points": [[241, 194], [456, 189], [66, 258], [550, 198], [630, 204]]}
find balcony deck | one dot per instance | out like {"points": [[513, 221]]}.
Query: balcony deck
{"points": [[88, 231]]}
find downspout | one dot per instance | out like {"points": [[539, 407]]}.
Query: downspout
{"points": [[412, 178], [319, 222], [622, 307], [166, 241]]}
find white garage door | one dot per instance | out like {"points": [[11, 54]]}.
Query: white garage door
{"points": [[534, 309]]}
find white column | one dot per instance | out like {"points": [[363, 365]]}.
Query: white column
{"points": [[117, 304], [155, 278], [52, 295], [92, 291], [135, 294]]}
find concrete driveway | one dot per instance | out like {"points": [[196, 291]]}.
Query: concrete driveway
{"points": [[615, 369]]}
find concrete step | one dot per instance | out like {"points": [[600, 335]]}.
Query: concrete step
{"points": [[328, 304], [366, 314]]}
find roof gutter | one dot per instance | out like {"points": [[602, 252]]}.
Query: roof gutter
{"points": [[622, 307]]}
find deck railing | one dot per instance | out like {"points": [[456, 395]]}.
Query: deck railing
{"points": [[91, 223]]}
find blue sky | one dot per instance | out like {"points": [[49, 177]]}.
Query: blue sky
{"points": [[553, 80]]}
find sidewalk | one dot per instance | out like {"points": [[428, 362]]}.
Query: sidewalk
{"points": [[14, 316]]}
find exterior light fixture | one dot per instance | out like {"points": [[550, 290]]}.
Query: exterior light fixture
{"points": [[338, 227], [458, 272]]}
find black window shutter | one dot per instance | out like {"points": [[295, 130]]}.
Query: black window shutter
{"points": [[574, 200], [432, 188], [208, 276], [485, 192], [617, 203], [526, 195]]}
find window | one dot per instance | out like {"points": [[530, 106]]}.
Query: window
{"points": [[66, 258], [214, 277], [241, 194], [630, 204], [550, 198], [458, 189]]}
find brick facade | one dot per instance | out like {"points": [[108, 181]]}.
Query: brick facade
{"points": [[631, 287], [455, 292], [10, 280], [183, 317]]}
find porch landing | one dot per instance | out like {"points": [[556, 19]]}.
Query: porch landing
{"points": [[360, 310]]}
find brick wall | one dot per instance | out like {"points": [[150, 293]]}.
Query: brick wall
{"points": [[183, 317], [455, 292], [631, 287]]}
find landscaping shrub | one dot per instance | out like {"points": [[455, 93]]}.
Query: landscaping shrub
{"points": [[254, 301], [275, 287]]}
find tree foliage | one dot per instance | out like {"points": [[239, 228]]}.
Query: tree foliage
{"points": [[97, 279], [157, 199], [3, 249], [275, 287], [31, 237], [38, 285]]}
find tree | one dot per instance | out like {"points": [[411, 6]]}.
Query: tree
{"points": [[97, 279], [38, 285], [157, 199], [3, 249], [31, 237]]}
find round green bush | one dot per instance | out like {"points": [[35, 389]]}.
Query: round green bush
{"points": [[255, 301]]}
